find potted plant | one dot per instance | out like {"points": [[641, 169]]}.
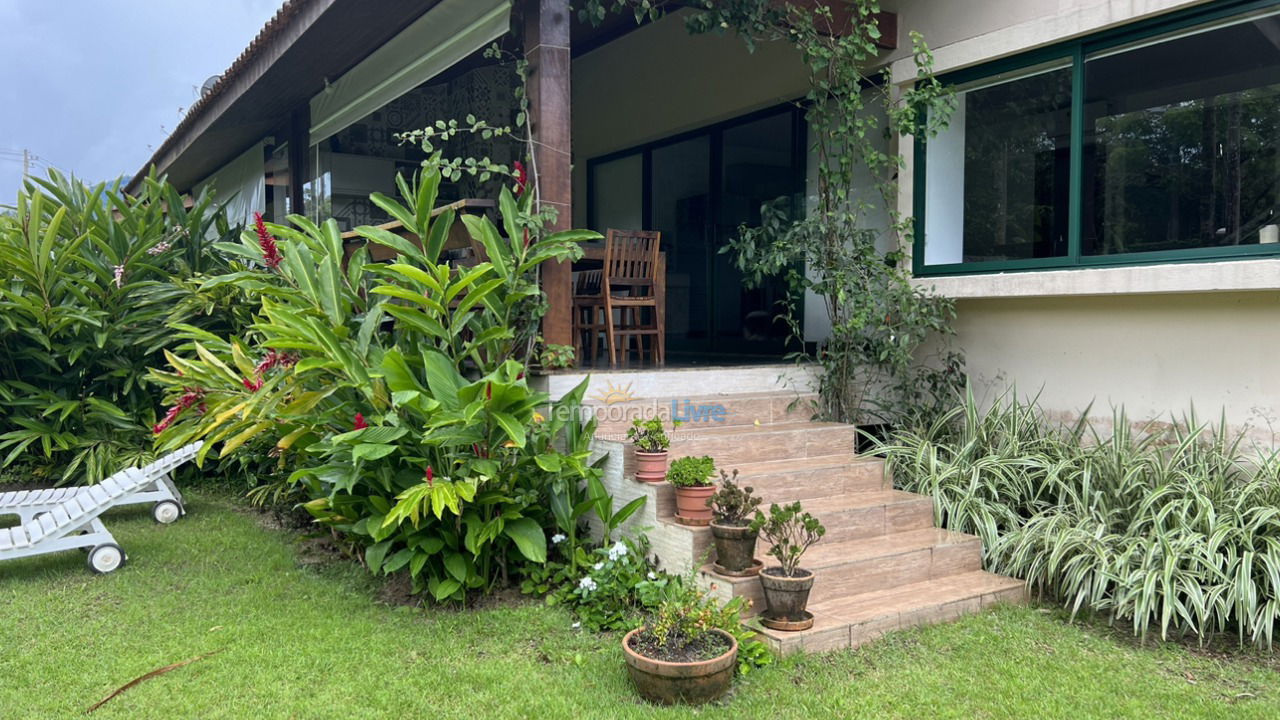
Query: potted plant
{"points": [[682, 655], [732, 507], [790, 532], [651, 443], [691, 477]]}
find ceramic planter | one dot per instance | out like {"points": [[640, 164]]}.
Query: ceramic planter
{"points": [[690, 683], [691, 504], [786, 598], [735, 550], [651, 467]]}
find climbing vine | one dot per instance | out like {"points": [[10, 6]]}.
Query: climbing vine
{"points": [[846, 245]]}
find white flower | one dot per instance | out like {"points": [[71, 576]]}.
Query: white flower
{"points": [[618, 550], [118, 271], [587, 584], [576, 625], [653, 575], [597, 566], [557, 538], [158, 248]]}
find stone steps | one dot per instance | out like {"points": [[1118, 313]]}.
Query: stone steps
{"points": [[718, 410], [882, 564]]}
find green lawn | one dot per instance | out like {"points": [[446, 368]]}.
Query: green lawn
{"points": [[306, 641]]}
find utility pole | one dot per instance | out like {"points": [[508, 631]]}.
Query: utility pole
{"points": [[26, 164]]}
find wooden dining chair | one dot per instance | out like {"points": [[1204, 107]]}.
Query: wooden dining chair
{"points": [[630, 287], [588, 311]]}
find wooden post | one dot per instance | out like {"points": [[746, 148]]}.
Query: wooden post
{"points": [[299, 144], [546, 47]]}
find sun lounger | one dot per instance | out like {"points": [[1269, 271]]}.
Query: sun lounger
{"points": [[69, 518]]}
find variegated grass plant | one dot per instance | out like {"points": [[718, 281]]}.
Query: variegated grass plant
{"points": [[1170, 526]]}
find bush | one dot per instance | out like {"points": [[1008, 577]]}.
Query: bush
{"points": [[90, 279], [691, 471], [1170, 526], [392, 396]]}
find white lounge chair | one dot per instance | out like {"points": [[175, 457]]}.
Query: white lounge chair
{"points": [[69, 518]]}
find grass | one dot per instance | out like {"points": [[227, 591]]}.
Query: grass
{"points": [[312, 641]]}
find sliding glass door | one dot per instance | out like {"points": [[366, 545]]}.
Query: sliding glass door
{"points": [[697, 189]]}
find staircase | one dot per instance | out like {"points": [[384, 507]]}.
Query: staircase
{"points": [[882, 564]]}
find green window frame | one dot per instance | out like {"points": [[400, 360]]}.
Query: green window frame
{"points": [[1078, 51]]}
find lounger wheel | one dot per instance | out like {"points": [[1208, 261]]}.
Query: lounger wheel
{"points": [[166, 512], [106, 558]]}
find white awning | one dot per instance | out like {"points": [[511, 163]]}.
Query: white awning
{"points": [[443, 36], [241, 184]]}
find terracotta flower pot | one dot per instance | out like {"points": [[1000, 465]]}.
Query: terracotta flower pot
{"points": [[786, 598], [651, 467], [691, 504], [735, 549], [691, 683]]}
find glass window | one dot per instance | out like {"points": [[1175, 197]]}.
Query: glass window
{"points": [[998, 179], [1181, 142]]}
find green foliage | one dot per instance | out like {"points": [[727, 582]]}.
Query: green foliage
{"points": [[555, 357], [616, 586], [733, 504], [691, 471], [649, 435], [1173, 526], [89, 279], [790, 532], [686, 615], [390, 394]]}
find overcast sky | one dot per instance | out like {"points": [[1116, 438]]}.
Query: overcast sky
{"points": [[93, 87]]}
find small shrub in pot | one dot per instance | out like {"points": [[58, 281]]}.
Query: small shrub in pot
{"points": [[684, 653], [732, 508], [790, 532], [691, 477], [650, 440]]}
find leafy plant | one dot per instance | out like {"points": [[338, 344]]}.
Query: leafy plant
{"points": [[89, 279], [616, 584], [790, 532], [683, 622], [1173, 526], [691, 471], [649, 435], [391, 395], [555, 357], [733, 504]]}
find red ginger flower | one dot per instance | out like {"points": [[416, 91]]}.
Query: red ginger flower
{"points": [[270, 252], [430, 477], [360, 424], [190, 396], [253, 385], [522, 178]]}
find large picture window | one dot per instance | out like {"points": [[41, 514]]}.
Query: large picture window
{"points": [[1151, 144]]}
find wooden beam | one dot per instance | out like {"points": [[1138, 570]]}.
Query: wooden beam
{"points": [[547, 49]]}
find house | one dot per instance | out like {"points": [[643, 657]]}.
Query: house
{"points": [[1103, 207]]}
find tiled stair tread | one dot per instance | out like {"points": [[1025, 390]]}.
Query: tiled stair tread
{"points": [[841, 503], [906, 598], [826, 555], [752, 395], [835, 463], [849, 621], [693, 433]]}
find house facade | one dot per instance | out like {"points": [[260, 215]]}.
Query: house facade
{"points": [[1103, 205]]}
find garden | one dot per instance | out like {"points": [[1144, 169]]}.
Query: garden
{"points": [[383, 516]]}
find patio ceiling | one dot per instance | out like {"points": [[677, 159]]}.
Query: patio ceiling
{"points": [[306, 43], [287, 63]]}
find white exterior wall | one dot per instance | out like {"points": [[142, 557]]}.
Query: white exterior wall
{"points": [[1155, 339]]}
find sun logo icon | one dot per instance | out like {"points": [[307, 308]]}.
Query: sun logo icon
{"points": [[613, 394]]}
